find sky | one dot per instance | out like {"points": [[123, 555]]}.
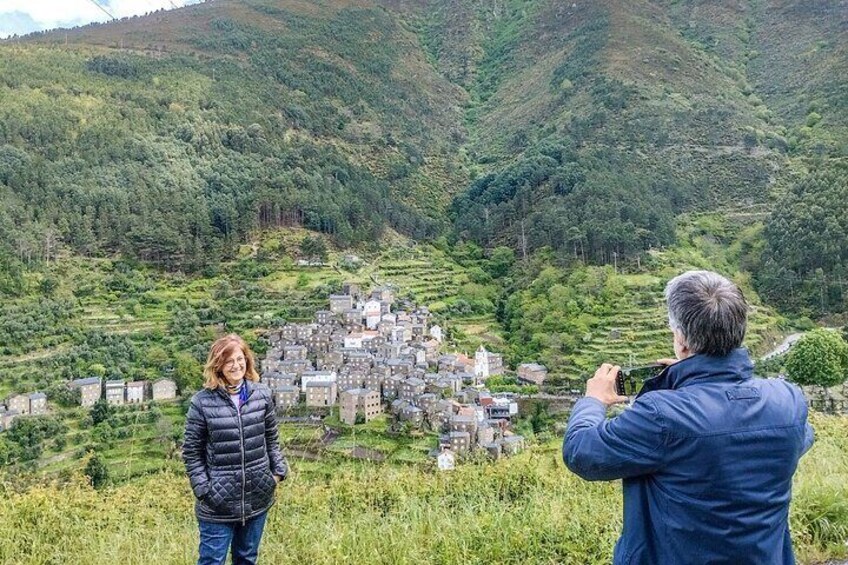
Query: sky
{"points": [[25, 16]]}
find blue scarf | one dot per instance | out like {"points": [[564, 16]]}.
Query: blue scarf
{"points": [[241, 389]]}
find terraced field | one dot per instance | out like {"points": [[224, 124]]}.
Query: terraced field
{"points": [[638, 332], [423, 273]]}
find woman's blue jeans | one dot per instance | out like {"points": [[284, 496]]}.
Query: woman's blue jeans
{"points": [[217, 539]]}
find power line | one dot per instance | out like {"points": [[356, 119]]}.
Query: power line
{"points": [[102, 9]]}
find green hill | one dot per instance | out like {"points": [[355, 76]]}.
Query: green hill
{"points": [[170, 137]]}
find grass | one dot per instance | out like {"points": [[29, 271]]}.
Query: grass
{"points": [[527, 509]]}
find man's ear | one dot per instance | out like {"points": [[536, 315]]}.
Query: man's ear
{"points": [[681, 348]]}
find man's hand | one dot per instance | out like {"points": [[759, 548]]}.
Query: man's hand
{"points": [[602, 385], [277, 479]]}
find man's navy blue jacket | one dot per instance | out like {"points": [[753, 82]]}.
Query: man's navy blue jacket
{"points": [[707, 453]]}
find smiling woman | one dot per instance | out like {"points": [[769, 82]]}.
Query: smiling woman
{"points": [[232, 454]]}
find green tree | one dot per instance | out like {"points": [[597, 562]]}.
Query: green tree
{"points": [[100, 412], [500, 261], [63, 395], [188, 372], [48, 286], [96, 471], [819, 358], [313, 248]]}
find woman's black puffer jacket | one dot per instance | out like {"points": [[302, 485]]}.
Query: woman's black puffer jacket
{"points": [[231, 457]]}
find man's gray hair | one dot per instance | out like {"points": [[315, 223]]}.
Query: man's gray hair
{"points": [[709, 310]]}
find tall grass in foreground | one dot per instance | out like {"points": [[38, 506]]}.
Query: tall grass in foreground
{"points": [[528, 509]]}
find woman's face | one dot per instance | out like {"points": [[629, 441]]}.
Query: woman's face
{"points": [[234, 366]]}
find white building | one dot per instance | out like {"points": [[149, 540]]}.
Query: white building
{"points": [[353, 341], [373, 313], [115, 392], [446, 460], [317, 376], [487, 364], [436, 333]]}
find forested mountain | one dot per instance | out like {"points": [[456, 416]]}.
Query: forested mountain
{"points": [[169, 137], [613, 116], [584, 127]]}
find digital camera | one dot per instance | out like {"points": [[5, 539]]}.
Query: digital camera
{"points": [[629, 380]]}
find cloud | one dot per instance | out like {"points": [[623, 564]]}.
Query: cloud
{"points": [[25, 16]]}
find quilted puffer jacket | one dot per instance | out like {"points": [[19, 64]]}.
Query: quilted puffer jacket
{"points": [[232, 457]]}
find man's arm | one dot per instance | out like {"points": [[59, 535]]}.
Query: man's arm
{"points": [[809, 438], [628, 445]]}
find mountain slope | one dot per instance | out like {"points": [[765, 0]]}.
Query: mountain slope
{"points": [[171, 136]]}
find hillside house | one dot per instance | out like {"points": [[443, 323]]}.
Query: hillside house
{"points": [[399, 367], [461, 423], [353, 321], [501, 409], [352, 289], [348, 380], [436, 333], [136, 392], [7, 417], [303, 331], [353, 341], [18, 403], [295, 352], [411, 389], [373, 381], [372, 341], [363, 401], [324, 317], [385, 296], [90, 390], [288, 332], [359, 360], [37, 403], [317, 376], [373, 313], [512, 445], [294, 366], [340, 303], [321, 393], [487, 364], [286, 396], [115, 392], [532, 373], [412, 414], [426, 401], [485, 435], [317, 344], [446, 461], [164, 389], [460, 442], [331, 361], [274, 379]]}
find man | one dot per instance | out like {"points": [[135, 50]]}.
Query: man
{"points": [[706, 451]]}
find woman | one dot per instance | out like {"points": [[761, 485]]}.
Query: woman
{"points": [[232, 454]]}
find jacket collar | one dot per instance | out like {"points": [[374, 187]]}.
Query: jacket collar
{"points": [[734, 367]]}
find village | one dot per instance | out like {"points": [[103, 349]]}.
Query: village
{"points": [[366, 357], [367, 354]]}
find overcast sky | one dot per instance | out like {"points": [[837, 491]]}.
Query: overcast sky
{"points": [[24, 16]]}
